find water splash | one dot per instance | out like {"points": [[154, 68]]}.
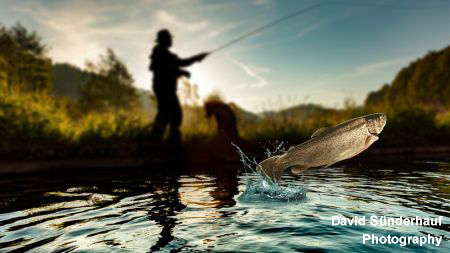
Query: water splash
{"points": [[279, 149], [261, 189]]}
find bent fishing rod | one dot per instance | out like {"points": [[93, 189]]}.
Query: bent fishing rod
{"points": [[310, 8], [273, 23]]}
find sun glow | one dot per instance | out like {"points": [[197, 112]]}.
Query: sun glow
{"points": [[203, 80]]}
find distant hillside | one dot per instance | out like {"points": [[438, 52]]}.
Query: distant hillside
{"points": [[299, 111], [67, 80], [424, 83], [242, 113]]}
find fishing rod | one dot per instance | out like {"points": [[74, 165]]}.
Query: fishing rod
{"points": [[312, 7], [275, 22]]}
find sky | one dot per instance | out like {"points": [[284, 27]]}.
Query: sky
{"points": [[340, 50]]}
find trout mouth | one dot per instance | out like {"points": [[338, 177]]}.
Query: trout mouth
{"points": [[374, 134]]}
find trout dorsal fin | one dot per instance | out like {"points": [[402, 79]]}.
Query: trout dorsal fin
{"points": [[299, 168], [319, 131]]}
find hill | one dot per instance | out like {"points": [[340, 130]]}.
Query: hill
{"points": [[299, 111], [67, 80], [425, 83]]}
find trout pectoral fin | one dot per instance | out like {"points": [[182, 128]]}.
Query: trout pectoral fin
{"points": [[370, 140], [297, 169]]}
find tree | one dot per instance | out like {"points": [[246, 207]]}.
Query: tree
{"points": [[425, 84], [110, 85], [68, 79], [3, 74], [377, 99], [25, 62]]}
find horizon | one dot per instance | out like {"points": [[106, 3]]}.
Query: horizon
{"points": [[321, 57]]}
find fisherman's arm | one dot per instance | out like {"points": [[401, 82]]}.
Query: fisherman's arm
{"points": [[191, 60]]}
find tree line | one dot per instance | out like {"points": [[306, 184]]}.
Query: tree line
{"points": [[41, 100], [424, 84], [25, 66]]}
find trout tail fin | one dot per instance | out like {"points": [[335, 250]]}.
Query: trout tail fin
{"points": [[271, 168]]}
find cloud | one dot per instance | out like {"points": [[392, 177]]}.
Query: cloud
{"points": [[252, 72], [165, 17], [261, 2], [305, 31], [374, 67], [71, 32], [81, 30], [265, 3], [262, 70], [222, 29]]}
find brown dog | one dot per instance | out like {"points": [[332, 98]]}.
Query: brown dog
{"points": [[225, 118]]}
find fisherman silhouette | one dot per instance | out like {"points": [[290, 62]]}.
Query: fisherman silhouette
{"points": [[167, 68]]}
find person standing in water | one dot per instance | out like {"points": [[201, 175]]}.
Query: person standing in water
{"points": [[167, 68]]}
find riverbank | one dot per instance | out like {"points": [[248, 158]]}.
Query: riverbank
{"points": [[35, 158]]}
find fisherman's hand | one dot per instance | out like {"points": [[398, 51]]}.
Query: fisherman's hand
{"points": [[202, 56], [186, 74]]}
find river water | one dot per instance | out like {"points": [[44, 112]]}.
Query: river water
{"points": [[223, 209]]}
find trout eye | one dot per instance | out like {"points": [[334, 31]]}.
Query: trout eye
{"points": [[375, 123]]}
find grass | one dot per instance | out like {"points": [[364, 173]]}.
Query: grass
{"points": [[33, 116], [44, 118]]}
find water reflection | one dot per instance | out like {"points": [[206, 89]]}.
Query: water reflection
{"points": [[166, 203], [409, 184], [213, 187], [225, 179]]}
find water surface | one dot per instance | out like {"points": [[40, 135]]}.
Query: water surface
{"points": [[174, 209]]}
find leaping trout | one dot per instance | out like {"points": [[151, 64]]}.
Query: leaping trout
{"points": [[328, 145]]}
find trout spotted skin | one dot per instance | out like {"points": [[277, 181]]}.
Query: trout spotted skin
{"points": [[326, 146]]}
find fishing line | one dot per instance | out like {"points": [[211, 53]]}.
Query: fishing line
{"points": [[312, 7]]}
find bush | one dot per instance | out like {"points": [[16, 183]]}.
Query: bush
{"points": [[33, 116]]}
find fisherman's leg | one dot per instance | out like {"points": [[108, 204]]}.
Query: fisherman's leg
{"points": [[161, 120], [175, 120]]}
